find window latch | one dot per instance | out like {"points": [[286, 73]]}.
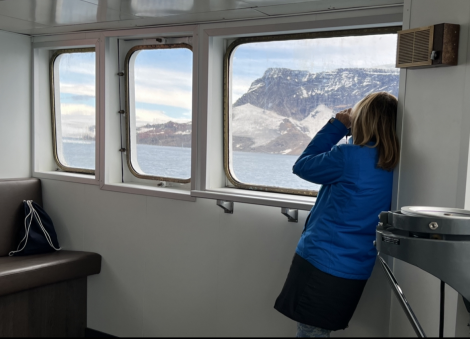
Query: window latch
{"points": [[122, 150], [120, 74]]}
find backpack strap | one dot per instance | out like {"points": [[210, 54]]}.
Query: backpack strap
{"points": [[25, 238], [32, 213]]}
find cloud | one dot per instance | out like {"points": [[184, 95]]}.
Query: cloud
{"points": [[317, 55], [383, 41], [79, 63], [240, 86], [162, 77], [87, 90], [169, 97], [77, 120], [163, 87], [251, 60], [144, 117], [77, 110]]}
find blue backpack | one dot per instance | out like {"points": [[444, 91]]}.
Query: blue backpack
{"points": [[38, 235]]}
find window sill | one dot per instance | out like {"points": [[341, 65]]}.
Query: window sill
{"points": [[258, 198], [160, 192], [67, 176]]}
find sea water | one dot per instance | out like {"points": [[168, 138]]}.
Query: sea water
{"points": [[175, 162]]}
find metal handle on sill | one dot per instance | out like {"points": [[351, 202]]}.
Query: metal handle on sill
{"points": [[227, 206], [291, 214]]}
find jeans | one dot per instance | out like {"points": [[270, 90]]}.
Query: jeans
{"points": [[307, 331]]}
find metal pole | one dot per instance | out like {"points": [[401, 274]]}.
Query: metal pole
{"points": [[401, 298], [441, 315]]}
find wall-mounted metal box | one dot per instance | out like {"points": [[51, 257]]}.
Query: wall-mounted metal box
{"points": [[430, 46]]}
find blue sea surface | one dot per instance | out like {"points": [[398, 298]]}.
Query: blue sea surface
{"points": [[268, 170], [175, 162], [165, 161], [78, 154]]}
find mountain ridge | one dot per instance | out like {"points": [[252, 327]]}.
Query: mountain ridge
{"points": [[294, 93], [284, 109]]}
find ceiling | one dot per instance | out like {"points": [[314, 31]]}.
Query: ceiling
{"points": [[37, 17]]}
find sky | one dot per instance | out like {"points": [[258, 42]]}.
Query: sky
{"points": [[163, 85], [77, 93], [163, 78], [163, 88], [250, 61]]}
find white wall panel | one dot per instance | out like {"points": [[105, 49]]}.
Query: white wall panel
{"points": [[256, 247], [114, 227], [434, 156], [15, 93], [67, 213], [177, 268], [181, 259]]}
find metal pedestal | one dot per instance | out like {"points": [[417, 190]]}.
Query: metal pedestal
{"points": [[401, 298], [434, 239]]}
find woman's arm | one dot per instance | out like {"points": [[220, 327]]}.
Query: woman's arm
{"points": [[322, 162]]}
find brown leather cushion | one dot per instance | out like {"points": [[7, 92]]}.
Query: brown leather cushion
{"points": [[12, 194], [21, 273]]}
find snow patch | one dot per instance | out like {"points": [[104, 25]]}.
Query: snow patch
{"points": [[286, 151], [263, 126], [256, 123], [317, 119]]}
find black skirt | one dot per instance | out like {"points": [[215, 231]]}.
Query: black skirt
{"points": [[316, 298]]}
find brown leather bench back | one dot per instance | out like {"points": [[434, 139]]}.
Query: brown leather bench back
{"points": [[12, 194]]}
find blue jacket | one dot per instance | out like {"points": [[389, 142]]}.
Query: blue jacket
{"points": [[340, 230]]}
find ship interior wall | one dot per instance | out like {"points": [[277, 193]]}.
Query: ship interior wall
{"points": [[15, 109], [434, 160], [183, 268]]}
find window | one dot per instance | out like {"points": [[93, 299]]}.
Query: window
{"points": [[279, 91], [159, 103], [73, 109]]}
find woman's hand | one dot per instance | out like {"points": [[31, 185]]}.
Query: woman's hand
{"points": [[344, 117]]}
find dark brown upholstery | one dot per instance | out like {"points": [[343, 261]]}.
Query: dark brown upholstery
{"points": [[21, 273], [12, 194], [42, 295], [26, 272]]}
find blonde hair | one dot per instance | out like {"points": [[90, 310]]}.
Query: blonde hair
{"points": [[374, 118]]}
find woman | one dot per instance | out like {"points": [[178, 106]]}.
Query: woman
{"points": [[335, 255]]}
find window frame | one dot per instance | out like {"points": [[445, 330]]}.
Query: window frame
{"points": [[227, 71], [53, 108], [128, 110]]}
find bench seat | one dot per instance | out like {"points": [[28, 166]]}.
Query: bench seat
{"points": [[42, 295], [25, 272]]}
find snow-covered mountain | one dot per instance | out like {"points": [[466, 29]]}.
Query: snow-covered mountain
{"points": [[284, 109], [166, 134], [257, 130], [296, 94]]}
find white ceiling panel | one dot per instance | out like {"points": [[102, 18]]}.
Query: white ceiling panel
{"points": [[243, 13], [161, 8], [18, 26], [60, 12], [59, 16], [321, 5], [263, 3], [111, 4], [171, 5], [174, 19]]}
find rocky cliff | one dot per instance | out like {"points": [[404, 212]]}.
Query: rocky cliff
{"points": [[284, 109]]}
